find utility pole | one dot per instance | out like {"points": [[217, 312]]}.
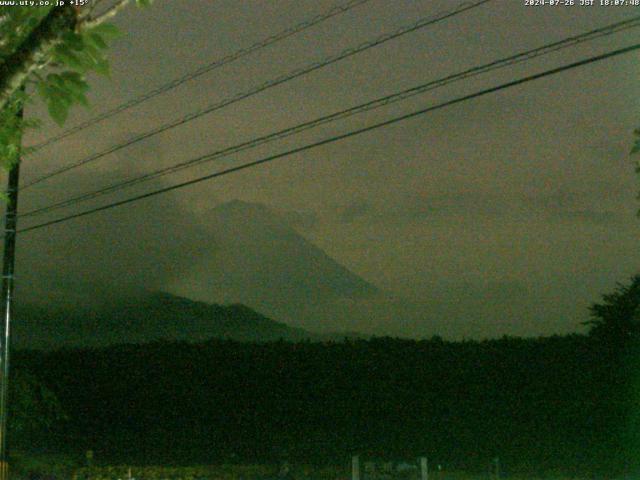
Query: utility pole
{"points": [[424, 469], [8, 262]]}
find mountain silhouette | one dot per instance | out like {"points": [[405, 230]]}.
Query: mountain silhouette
{"points": [[259, 260], [144, 318]]}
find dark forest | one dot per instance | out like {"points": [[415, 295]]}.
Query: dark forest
{"points": [[553, 404]]}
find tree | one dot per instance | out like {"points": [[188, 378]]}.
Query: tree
{"points": [[49, 50], [617, 318], [35, 410], [615, 325]]}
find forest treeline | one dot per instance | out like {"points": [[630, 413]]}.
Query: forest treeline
{"points": [[555, 404]]}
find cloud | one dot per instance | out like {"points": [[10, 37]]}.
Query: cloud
{"points": [[142, 245], [354, 211], [558, 206], [299, 219]]}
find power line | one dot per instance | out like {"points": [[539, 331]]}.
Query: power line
{"points": [[422, 23], [633, 22], [336, 138], [336, 10]]}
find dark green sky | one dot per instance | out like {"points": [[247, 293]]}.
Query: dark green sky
{"points": [[515, 210]]}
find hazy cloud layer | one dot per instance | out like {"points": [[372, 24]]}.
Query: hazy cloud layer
{"points": [[509, 213]]}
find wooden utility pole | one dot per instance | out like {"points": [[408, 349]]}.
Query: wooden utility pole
{"points": [[8, 262]]}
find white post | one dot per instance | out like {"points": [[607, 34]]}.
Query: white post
{"points": [[424, 469], [355, 468]]}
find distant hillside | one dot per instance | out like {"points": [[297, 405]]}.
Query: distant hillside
{"points": [[145, 318]]}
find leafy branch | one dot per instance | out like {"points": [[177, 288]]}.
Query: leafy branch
{"points": [[50, 50]]}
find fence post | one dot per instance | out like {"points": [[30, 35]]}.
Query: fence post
{"points": [[355, 467], [424, 469]]}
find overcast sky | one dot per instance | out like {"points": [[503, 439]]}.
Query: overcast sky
{"points": [[521, 204]]}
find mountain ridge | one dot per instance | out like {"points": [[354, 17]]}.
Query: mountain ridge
{"points": [[146, 318], [259, 260]]}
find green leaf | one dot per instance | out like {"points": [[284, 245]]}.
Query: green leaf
{"points": [[73, 41], [76, 80], [58, 111], [31, 123], [96, 40], [90, 57], [96, 56], [105, 30], [44, 91], [102, 67], [65, 56], [61, 96], [56, 80], [79, 97]]}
